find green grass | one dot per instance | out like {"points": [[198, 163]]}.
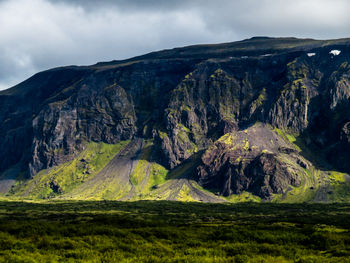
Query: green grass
{"points": [[140, 170], [147, 174], [340, 192], [316, 178], [70, 174], [79, 179], [337, 176], [288, 137], [158, 174], [243, 197], [162, 231]]}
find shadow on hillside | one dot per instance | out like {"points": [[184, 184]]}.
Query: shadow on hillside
{"points": [[187, 169]]}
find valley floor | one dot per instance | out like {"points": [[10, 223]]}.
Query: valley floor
{"points": [[164, 231]]}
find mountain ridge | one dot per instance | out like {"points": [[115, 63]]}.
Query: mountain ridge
{"points": [[197, 111]]}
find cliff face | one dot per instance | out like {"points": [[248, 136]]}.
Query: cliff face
{"points": [[256, 160], [225, 103]]}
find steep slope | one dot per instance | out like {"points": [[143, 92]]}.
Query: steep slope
{"points": [[263, 118]]}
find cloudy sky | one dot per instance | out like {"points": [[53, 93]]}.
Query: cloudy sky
{"points": [[39, 34]]}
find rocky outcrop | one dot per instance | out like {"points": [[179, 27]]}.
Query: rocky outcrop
{"points": [[62, 128], [292, 105], [203, 106], [340, 83], [256, 160], [345, 133]]}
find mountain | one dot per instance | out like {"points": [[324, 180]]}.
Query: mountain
{"points": [[260, 119]]}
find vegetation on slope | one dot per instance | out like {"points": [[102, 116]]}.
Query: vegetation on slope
{"points": [[319, 183], [63, 178], [139, 177]]}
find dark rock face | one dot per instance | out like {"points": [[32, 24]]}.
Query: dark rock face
{"points": [[189, 100], [20, 104], [268, 175], [62, 128], [345, 133], [250, 160]]}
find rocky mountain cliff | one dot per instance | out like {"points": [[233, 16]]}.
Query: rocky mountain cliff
{"points": [[263, 118]]}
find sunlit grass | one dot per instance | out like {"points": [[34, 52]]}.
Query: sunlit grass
{"points": [[162, 231]]}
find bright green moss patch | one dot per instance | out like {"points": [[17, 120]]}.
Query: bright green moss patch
{"points": [[63, 178], [185, 194], [228, 138], [280, 133], [243, 197], [291, 138], [147, 174], [246, 145], [340, 192], [288, 137], [157, 175], [162, 134], [139, 172], [337, 176]]}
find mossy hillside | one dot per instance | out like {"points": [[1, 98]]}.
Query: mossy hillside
{"points": [[314, 181], [71, 174], [184, 194], [243, 197], [178, 184], [340, 192], [317, 186], [339, 187], [288, 136], [306, 192], [318, 183], [147, 174], [105, 189], [139, 172], [310, 177], [150, 180], [113, 182], [158, 174]]}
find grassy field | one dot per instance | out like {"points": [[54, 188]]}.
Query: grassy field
{"points": [[150, 231]]}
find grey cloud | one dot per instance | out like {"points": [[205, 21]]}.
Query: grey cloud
{"points": [[134, 5], [40, 34]]}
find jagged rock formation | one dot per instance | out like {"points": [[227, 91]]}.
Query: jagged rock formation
{"points": [[255, 160], [91, 114], [195, 101]]}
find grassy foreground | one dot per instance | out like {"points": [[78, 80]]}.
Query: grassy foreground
{"points": [[150, 231]]}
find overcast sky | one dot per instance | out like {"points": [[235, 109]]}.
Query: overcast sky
{"points": [[39, 34]]}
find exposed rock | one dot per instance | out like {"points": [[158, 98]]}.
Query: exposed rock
{"points": [[249, 160], [302, 163], [63, 127], [286, 150], [345, 133], [56, 188], [268, 175]]}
